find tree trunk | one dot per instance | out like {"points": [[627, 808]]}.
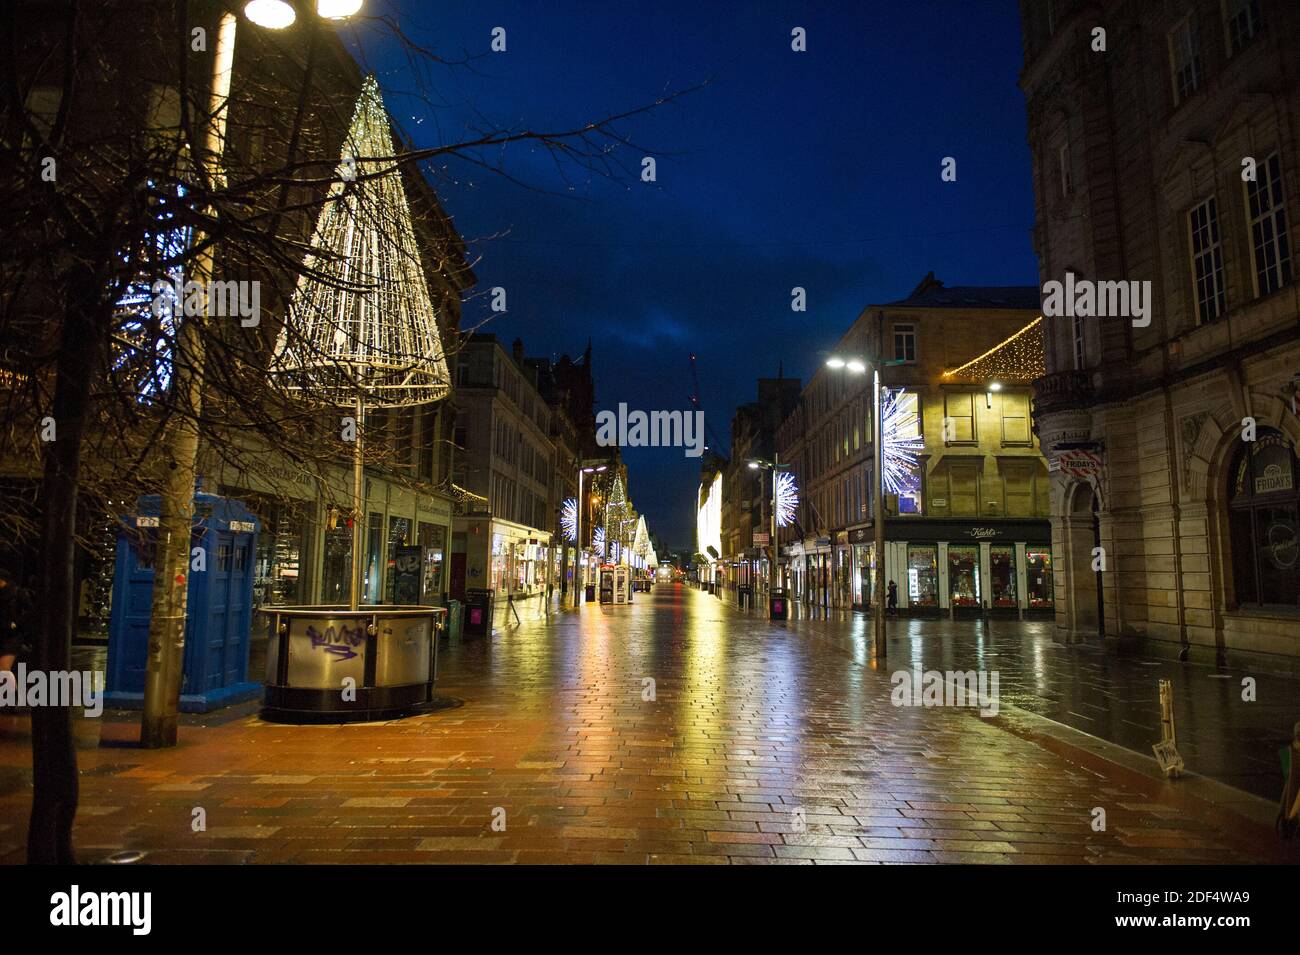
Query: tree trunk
{"points": [[166, 658], [54, 755]]}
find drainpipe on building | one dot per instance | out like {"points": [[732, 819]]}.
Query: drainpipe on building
{"points": [[1184, 642]]}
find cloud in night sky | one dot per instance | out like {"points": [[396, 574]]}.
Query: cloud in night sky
{"points": [[818, 170]]}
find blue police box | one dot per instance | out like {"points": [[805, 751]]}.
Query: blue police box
{"points": [[218, 611]]}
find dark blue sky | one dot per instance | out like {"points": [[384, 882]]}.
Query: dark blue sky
{"points": [[817, 169]]}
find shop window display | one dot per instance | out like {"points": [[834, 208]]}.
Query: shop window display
{"points": [[1002, 575], [964, 576], [1038, 575], [923, 575]]}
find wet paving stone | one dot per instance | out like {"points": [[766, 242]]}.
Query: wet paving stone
{"points": [[756, 743]]}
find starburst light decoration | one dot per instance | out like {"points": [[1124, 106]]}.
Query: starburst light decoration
{"points": [[900, 444], [569, 519], [787, 499]]}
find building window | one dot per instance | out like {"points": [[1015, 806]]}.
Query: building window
{"points": [[1185, 59], [1076, 329], [1018, 487], [1063, 167], [905, 342], [1263, 517], [1241, 22], [1268, 227], [1015, 420], [964, 491], [1207, 261], [960, 411]]}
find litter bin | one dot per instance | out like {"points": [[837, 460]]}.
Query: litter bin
{"points": [[777, 606], [455, 618], [478, 612], [744, 596]]}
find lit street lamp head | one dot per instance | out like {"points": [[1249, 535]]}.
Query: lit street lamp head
{"points": [[836, 363], [272, 14], [278, 14], [337, 9]]}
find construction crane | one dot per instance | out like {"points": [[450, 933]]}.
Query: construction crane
{"points": [[695, 404]]}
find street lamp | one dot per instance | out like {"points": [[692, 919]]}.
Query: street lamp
{"points": [[858, 367], [164, 667], [586, 467], [775, 467], [278, 14]]}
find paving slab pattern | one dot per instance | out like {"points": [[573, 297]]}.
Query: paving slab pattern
{"points": [[755, 743]]}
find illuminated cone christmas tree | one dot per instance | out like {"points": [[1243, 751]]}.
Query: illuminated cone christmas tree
{"points": [[361, 319], [619, 519], [361, 329]]}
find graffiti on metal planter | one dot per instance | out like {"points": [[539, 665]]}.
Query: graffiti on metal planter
{"points": [[339, 642]]}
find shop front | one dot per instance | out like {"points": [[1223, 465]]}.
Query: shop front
{"points": [[510, 559], [792, 564], [304, 552], [961, 569], [842, 574], [862, 568], [818, 564]]}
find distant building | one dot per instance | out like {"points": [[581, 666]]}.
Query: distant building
{"points": [[747, 492], [1172, 159], [966, 528], [708, 518], [505, 459]]}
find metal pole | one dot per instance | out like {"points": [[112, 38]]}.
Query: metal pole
{"points": [[577, 573], [877, 480], [358, 507], [771, 571]]}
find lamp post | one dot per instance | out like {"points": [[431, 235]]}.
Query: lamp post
{"points": [[586, 467], [775, 467], [857, 366], [166, 644]]}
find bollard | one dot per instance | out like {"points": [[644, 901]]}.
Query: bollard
{"points": [[1171, 764]]}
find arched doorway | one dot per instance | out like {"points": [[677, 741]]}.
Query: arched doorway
{"points": [[1083, 535], [1264, 522]]}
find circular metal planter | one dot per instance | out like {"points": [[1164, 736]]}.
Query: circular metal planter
{"points": [[334, 665]]}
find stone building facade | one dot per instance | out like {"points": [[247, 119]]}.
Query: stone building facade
{"points": [[747, 492], [968, 535], [1171, 158], [505, 457]]}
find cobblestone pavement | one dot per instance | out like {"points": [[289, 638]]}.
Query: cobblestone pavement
{"points": [[763, 744], [1220, 735]]}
